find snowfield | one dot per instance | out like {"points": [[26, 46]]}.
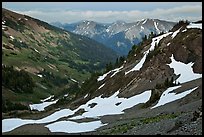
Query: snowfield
{"points": [[104, 106], [185, 70], [168, 97], [107, 106], [12, 123], [73, 127]]}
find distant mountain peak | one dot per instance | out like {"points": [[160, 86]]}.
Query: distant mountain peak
{"points": [[127, 34]]}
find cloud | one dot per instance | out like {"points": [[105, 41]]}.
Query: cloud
{"points": [[189, 12]]}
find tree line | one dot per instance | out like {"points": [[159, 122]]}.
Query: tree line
{"points": [[17, 81]]}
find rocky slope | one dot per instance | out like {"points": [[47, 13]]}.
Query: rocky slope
{"points": [[157, 90], [120, 36]]}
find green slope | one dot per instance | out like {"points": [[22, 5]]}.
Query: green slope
{"points": [[54, 58]]}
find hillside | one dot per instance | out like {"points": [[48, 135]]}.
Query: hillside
{"points": [[54, 59], [119, 35], [156, 91]]}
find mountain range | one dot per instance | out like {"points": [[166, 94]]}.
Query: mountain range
{"points": [[119, 36]]}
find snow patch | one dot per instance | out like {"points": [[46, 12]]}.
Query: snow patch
{"points": [[36, 50], [144, 21], [153, 44], [74, 80], [12, 38], [168, 44], [116, 71], [106, 106], [184, 30], [86, 96], [39, 75], [175, 33], [185, 70], [42, 106], [155, 24], [101, 86], [104, 75], [168, 96], [66, 95], [3, 22], [138, 66], [195, 25], [12, 123], [48, 98], [74, 127]]}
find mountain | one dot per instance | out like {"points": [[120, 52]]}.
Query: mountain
{"points": [[55, 59], [119, 36], [157, 90]]}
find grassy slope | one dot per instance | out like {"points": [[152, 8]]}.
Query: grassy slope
{"points": [[61, 53]]}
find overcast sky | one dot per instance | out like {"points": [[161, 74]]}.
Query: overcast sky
{"points": [[107, 12]]}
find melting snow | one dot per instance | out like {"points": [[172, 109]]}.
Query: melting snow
{"points": [[12, 37], [155, 24], [43, 100], [42, 106], [3, 22], [154, 42], [12, 123], [73, 127], [101, 86], [138, 66], [193, 25], [25, 18], [74, 80], [168, 44], [184, 30], [105, 106], [86, 96], [116, 71], [36, 50], [144, 21], [104, 75], [168, 96], [66, 95], [39, 75], [175, 33], [185, 70]]}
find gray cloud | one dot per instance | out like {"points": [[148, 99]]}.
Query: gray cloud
{"points": [[189, 12]]}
